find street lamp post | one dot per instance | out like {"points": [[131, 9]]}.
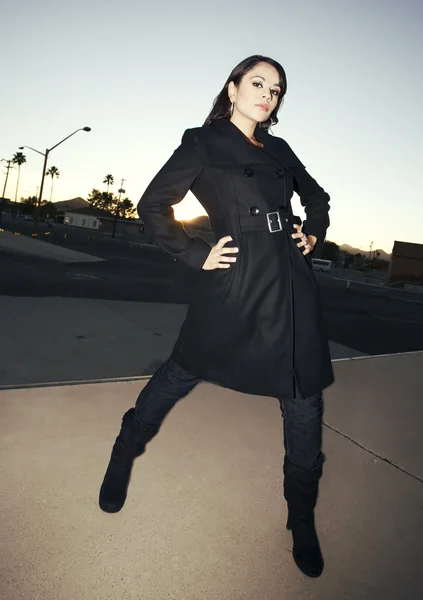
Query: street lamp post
{"points": [[46, 155], [9, 163], [121, 191]]}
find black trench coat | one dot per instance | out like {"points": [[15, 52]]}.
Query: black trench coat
{"points": [[253, 326]]}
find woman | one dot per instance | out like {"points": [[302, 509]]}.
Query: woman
{"points": [[255, 323]]}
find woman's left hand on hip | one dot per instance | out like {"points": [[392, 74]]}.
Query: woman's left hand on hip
{"points": [[307, 242]]}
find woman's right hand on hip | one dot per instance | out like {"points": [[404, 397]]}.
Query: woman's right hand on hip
{"points": [[216, 258]]}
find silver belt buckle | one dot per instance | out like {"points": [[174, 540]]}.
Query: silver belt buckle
{"points": [[269, 224]]}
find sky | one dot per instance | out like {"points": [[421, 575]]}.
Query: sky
{"points": [[140, 73]]}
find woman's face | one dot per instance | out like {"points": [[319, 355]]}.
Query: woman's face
{"points": [[257, 95]]}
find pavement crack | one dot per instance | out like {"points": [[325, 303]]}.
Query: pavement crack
{"points": [[382, 458]]}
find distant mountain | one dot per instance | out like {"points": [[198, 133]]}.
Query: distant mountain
{"points": [[346, 248], [71, 204], [201, 222]]}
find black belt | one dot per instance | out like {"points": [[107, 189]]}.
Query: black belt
{"points": [[272, 222]]}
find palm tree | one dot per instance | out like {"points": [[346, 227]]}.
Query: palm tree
{"points": [[109, 180], [18, 159], [53, 172]]}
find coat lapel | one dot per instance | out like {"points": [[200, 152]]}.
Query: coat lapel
{"points": [[231, 146], [277, 148]]}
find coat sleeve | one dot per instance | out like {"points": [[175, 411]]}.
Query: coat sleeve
{"points": [[316, 204], [169, 187]]}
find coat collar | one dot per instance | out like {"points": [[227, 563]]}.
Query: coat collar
{"points": [[244, 152]]}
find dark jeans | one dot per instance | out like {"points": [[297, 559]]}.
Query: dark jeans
{"points": [[302, 417]]}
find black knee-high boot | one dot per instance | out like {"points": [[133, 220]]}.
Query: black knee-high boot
{"points": [[129, 444], [301, 491]]}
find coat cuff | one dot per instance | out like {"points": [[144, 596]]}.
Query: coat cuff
{"points": [[196, 254], [318, 233]]}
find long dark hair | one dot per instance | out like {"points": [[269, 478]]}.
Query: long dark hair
{"points": [[222, 105]]}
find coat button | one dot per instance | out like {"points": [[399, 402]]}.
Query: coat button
{"points": [[248, 172], [280, 173], [254, 211]]}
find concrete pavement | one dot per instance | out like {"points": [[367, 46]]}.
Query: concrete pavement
{"points": [[205, 517]]}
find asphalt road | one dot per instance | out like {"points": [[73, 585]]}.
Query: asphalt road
{"points": [[368, 323]]}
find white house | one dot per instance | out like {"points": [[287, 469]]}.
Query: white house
{"points": [[87, 218]]}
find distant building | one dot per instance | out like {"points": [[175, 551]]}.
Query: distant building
{"points": [[406, 263], [103, 221], [88, 218], [6, 205]]}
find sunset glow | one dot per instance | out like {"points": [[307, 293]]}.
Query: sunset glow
{"points": [[188, 209], [342, 132]]}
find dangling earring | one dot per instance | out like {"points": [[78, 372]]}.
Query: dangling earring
{"points": [[231, 112]]}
